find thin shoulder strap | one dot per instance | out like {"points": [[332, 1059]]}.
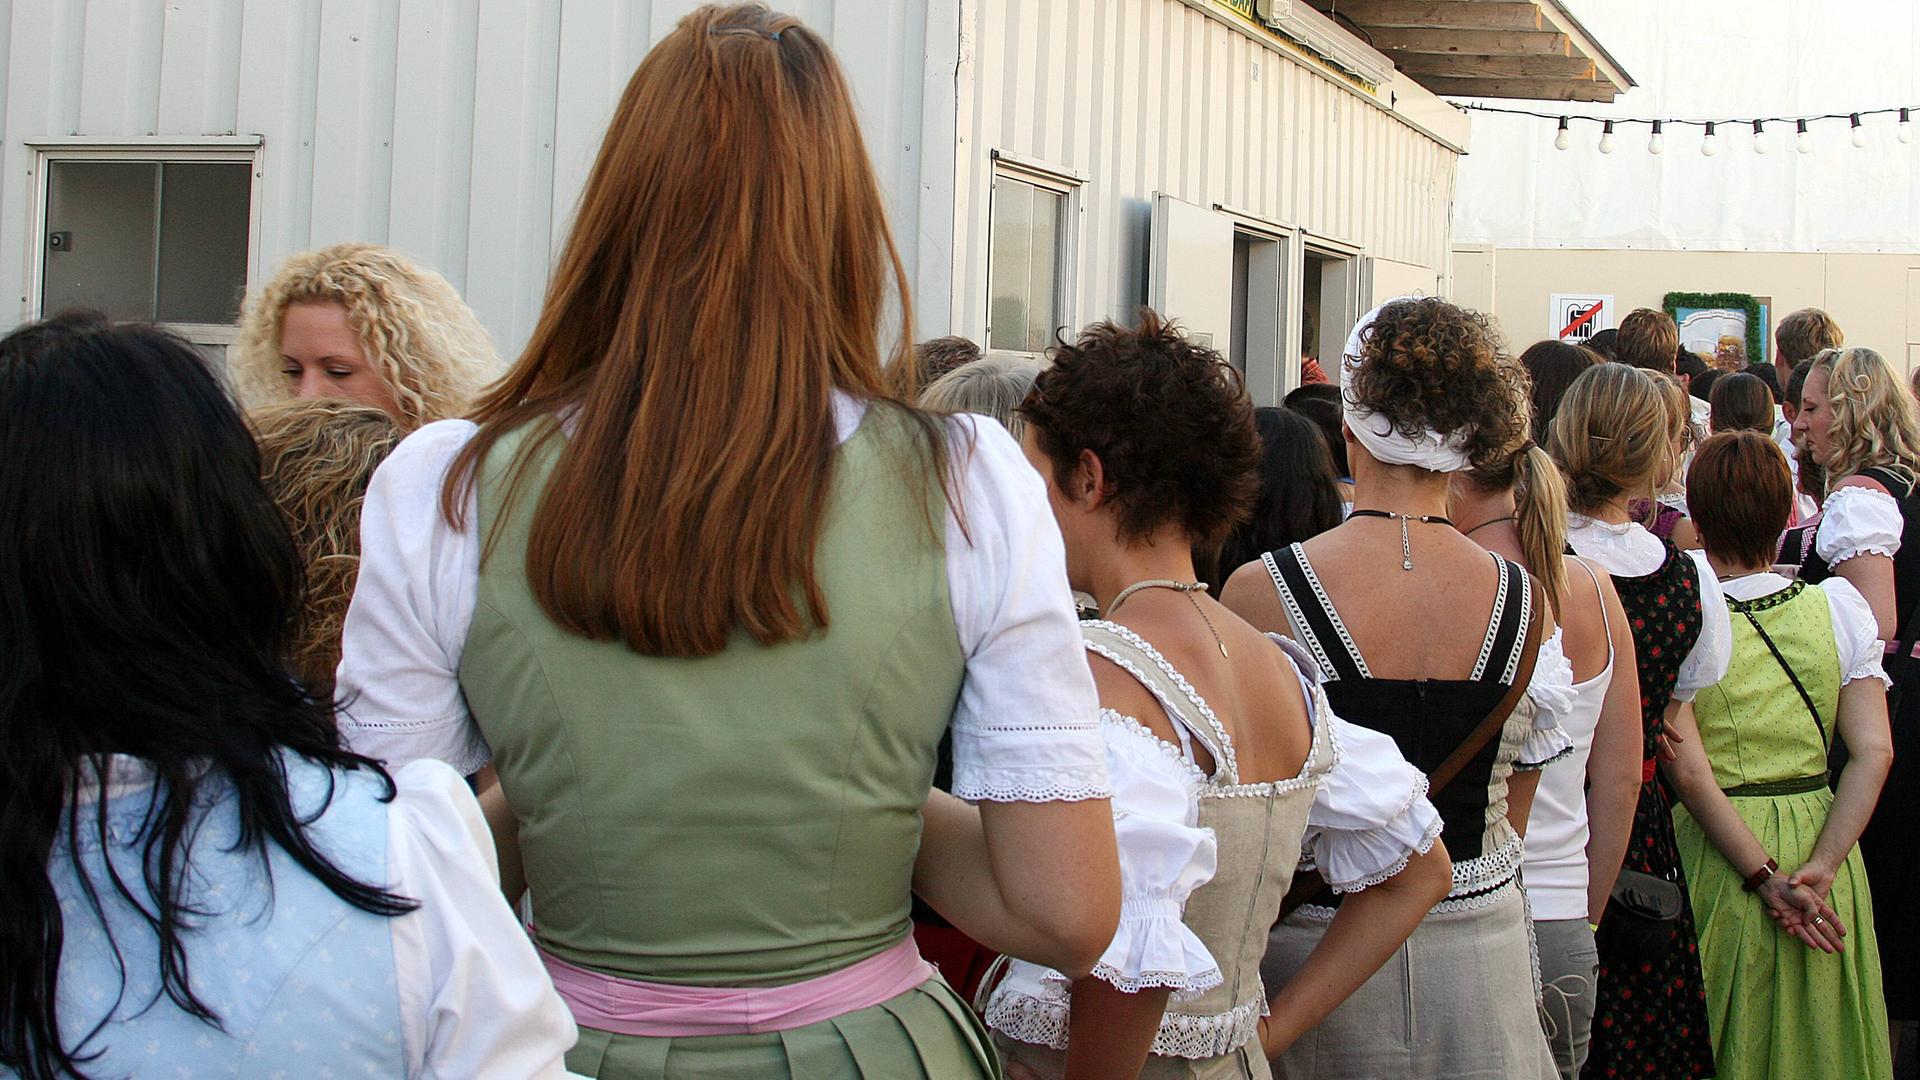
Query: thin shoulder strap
{"points": [[1312, 613], [1606, 620], [1189, 712]]}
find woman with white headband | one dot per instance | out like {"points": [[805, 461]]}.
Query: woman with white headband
{"points": [[1451, 650]]}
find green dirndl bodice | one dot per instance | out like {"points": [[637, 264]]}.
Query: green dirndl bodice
{"points": [[746, 819], [1776, 1007]]}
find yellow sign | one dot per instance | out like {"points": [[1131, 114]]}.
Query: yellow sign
{"points": [[1239, 7]]}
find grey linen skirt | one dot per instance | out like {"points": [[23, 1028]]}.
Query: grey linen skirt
{"points": [[1457, 1001]]}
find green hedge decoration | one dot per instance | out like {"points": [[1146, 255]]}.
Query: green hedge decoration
{"points": [[1756, 334]]}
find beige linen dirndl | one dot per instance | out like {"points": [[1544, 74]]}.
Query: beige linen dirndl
{"points": [[1455, 1002], [1212, 1035]]}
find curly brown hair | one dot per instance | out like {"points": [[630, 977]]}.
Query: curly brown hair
{"points": [[1428, 365], [1170, 420]]}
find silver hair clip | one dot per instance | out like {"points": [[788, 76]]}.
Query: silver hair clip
{"points": [[734, 31]]}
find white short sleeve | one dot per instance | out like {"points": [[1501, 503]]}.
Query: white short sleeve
{"points": [[1370, 814], [475, 999], [1712, 651], [1856, 633], [412, 606], [1858, 521], [1553, 697], [1026, 728], [1164, 856]]}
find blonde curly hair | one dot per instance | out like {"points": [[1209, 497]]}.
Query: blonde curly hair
{"points": [[419, 336], [316, 458], [1874, 420]]}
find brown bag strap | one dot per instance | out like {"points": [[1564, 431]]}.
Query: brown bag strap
{"points": [[1441, 776]]}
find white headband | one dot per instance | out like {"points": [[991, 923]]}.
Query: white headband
{"points": [[1428, 449]]}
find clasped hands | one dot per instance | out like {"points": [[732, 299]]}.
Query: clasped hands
{"points": [[1797, 903]]}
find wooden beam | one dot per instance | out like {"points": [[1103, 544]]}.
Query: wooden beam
{"points": [[1554, 16], [1401, 39], [1495, 67], [1524, 89], [1440, 14]]}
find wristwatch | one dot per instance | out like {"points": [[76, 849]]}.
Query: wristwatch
{"points": [[1760, 876]]}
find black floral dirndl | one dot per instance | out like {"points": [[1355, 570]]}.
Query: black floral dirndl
{"points": [[1651, 1016]]}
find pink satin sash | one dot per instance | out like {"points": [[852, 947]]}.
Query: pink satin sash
{"points": [[632, 1007]]}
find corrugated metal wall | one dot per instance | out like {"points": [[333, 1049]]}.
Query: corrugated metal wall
{"points": [[1146, 96], [457, 130]]}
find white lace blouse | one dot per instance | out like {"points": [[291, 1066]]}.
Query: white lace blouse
{"points": [[1369, 816], [1629, 550], [1025, 728], [1856, 633], [1858, 521]]}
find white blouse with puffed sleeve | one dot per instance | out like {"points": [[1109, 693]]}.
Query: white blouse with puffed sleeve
{"points": [[1858, 521]]}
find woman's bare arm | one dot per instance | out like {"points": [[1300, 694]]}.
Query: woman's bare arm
{"points": [[1863, 727], [1370, 925], [1613, 768], [1040, 881]]}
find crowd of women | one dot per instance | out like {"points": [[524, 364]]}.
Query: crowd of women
{"points": [[704, 695]]}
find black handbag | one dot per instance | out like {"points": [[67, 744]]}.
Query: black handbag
{"points": [[1642, 913]]}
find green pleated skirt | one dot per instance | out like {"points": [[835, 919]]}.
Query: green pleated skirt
{"points": [[1777, 1008], [927, 1033]]}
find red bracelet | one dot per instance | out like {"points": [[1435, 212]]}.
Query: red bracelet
{"points": [[1759, 877]]}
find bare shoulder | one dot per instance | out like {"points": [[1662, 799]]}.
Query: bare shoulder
{"points": [[1249, 593]]}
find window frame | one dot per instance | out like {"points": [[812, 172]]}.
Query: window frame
{"points": [[192, 149], [1058, 180]]}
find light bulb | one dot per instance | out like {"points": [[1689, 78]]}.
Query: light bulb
{"points": [[1802, 141], [1606, 138], [1762, 142], [1711, 144], [1561, 140], [1905, 131], [1656, 142], [1859, 133]]}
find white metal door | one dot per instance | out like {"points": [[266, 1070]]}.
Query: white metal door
{"points": [[1191, 276]]}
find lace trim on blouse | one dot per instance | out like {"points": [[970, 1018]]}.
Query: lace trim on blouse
{"points": [[1067, 783], [1493, 868], [1428, 838], [1039, 1022], [1227, 769]]}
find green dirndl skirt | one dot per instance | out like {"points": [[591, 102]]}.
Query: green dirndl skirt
{"points": [[927, 1032], [1776, 1007]]}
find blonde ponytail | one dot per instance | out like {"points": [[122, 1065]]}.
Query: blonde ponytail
{"points": [[1540, 519]]}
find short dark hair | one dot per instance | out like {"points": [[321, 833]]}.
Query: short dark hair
{"points": [[1650, 340], [1687, 362], [1553, 365], [1797, 382], [1701, 385], [1298, 500], [936, 357], [1740, 493], [1741, 402], [1169, 419], [1605, 342], [1320, 403], [1766, 373]]}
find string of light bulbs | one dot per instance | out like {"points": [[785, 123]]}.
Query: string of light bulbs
{"points": [[1710, 141]]}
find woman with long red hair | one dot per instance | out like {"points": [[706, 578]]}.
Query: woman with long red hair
{"points": [[707, 593]]}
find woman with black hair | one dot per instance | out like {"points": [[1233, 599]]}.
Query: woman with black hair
{"points": [[195, 872], [1299, 496]]}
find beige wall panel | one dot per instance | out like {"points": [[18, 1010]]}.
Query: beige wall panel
{"points": [[1872, 296]]}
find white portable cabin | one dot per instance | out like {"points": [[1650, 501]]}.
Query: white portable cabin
{"points": [[1047, 163]]}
